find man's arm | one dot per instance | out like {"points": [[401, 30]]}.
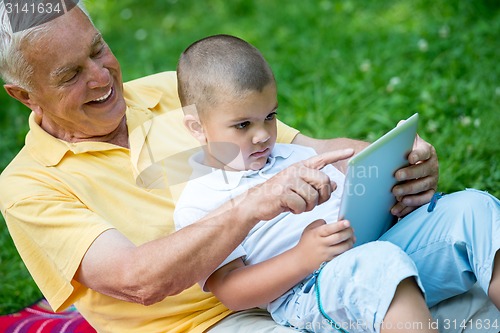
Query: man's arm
{"points": [[150, 272], [419, 179]]}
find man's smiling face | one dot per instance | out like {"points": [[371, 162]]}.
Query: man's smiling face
{"points": [[77, 88]]}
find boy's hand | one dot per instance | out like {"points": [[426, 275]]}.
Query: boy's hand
{"points": [[322, 242]]}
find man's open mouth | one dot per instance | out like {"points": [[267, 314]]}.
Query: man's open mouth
{"points": [[104, 98]]}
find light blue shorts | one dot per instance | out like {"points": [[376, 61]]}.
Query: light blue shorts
{"points": [[355, 290], [454, 245], [446, 250]]}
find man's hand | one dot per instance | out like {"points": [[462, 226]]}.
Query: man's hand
{"points": [[298, 188], [322, 242], [419, 179]]}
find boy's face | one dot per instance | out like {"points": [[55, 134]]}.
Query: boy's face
{"points": [[249, 123]]}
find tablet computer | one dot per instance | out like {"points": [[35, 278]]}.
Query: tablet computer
{"points": [[367, 198]]}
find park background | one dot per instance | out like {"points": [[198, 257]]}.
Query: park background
{"points": [[344, 69]]}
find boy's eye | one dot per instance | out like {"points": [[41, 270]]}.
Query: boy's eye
{"points": [[242, 125], [271, 116]]}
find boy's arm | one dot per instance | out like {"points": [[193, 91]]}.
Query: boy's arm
{"points": [[242, 287]]}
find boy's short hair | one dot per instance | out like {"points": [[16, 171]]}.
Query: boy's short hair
{"points": [[219, 66]]}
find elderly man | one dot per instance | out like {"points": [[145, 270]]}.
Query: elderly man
{"points": [[89, 211]]}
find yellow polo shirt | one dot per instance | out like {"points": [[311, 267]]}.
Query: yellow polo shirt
{"points": [[57, 197]]}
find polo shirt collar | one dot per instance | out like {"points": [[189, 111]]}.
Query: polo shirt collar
{"points": [[224, 180], [49, 151], [44, 148], [142, 97]]}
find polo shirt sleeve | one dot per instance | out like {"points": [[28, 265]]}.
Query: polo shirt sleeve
{"points": [[52, 231], [286, 134]]}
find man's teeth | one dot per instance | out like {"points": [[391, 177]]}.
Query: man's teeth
{"points": [[103, 97]]}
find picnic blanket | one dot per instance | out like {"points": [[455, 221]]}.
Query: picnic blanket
{"points": [[39, 318]]}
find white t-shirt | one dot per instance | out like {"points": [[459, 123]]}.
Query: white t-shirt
{"points": [[209, 188]]}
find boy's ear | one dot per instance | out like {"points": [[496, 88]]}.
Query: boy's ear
{"points": [[193, 124], [23, 96]]}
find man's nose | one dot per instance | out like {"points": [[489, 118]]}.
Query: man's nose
{"points": [[99, 76]]}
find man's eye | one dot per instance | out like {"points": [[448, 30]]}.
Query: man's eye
{"points": [[70, 77], [98, 52], [242, 125]]}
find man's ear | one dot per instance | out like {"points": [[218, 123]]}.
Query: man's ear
{"points": [[193, 124], [23, 96]]}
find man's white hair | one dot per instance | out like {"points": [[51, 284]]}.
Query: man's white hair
{"points": [[14, 67]]}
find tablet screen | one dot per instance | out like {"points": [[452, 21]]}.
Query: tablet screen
{"points": [[367, 198]]}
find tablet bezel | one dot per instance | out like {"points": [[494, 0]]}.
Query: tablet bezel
{"points": [[367, 196]]}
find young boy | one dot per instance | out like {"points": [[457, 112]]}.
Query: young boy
{"points": [[297, 268]]}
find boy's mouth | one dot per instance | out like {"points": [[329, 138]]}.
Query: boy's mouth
{"points": [[260, 153]]}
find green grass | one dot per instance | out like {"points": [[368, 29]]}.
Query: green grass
{"points": [[344, 68]]}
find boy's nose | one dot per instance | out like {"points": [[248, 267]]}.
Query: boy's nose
{"points": [[261, 136]]}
